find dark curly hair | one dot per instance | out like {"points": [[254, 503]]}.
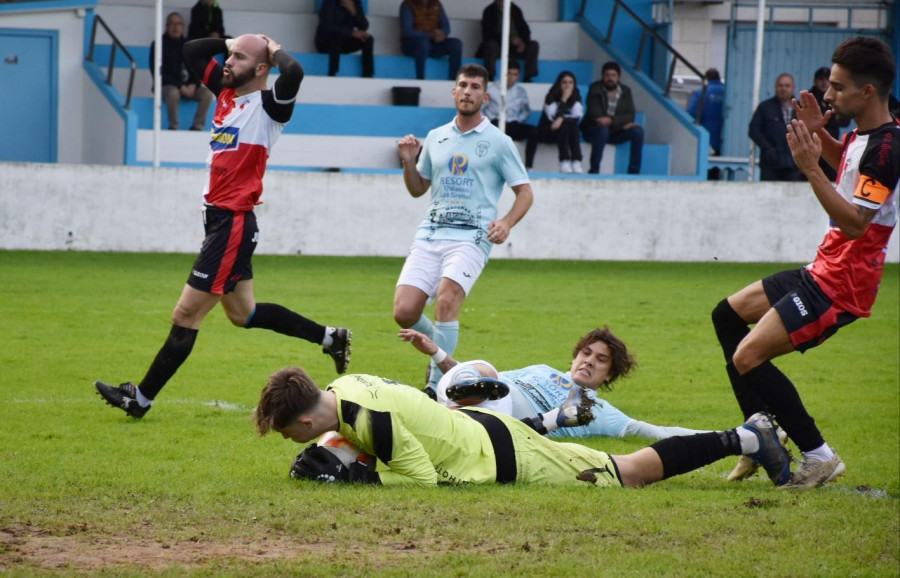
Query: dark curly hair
{"points": [[623, 361]]}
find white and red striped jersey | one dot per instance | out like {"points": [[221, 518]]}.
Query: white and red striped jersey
{"points": [[244, 131], [849, 271]]}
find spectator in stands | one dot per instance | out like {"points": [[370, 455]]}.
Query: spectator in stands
{"points": [[425, 33], [342, 30], [206, 20], [559, 123], [768, 129], [517, 112], [521, 46], [610, 119], [178, 81], [819, 88], [712, 118]]}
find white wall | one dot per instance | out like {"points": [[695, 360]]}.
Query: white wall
{"points": [[104, 146], [70, 24], [107, 208]]}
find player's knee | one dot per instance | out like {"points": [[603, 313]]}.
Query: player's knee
{"points": [[745, 359], [446, 308], [404, 316], [238, 320]]}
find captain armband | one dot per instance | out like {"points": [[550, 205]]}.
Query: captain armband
{"points": [[870, 191]]}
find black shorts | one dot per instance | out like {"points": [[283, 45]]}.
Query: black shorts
{"points": [[224, 258], [808, 314]]}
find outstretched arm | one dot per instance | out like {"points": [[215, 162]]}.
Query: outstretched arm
{"points": [[425, 345]]}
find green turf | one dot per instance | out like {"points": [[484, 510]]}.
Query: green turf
{"points": [[191, 490]]}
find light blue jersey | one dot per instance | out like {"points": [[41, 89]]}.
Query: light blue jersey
{"points": [[545, 389], [467, 173]]}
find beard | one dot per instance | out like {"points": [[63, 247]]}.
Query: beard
{"points": [[610, 85], [236, 81]]}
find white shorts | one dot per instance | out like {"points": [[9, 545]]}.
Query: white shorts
{"points": [[429, 261]]}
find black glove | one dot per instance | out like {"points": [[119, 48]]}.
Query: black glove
{"points": [[319, 464]]}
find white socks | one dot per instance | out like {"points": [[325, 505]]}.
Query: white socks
{"points": [[142, 401], [823, 453], [328, 340], [749, 441]]}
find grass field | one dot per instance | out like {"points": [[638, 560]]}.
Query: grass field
{"points": [[190, 489]]}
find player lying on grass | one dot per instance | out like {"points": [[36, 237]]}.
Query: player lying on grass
{"points": [[417, 441], [536, 393]]}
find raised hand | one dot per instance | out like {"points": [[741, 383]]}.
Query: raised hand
{"points": [[808, 111]]}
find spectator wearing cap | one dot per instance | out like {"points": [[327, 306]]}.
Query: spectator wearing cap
{"points": [[819, 88]]}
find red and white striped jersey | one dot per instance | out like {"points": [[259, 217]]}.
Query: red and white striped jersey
{"points": [[849, 271]]}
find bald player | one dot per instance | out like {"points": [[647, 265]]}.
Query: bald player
{"points": [[248, 120]]}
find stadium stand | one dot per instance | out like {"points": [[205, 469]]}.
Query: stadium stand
{"points": [[346, 117]]}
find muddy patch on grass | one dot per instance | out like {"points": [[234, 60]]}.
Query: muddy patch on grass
{"points": [[77, 549]]}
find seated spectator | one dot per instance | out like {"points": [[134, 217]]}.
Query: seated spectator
{"points": [[610, 119], [517, 112], [559, 123], [177, 79], [521, 46], [206, 20], [342, 30], [712, 117], [425, 33]]}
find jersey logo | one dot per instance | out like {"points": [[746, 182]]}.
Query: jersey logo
{"points": [[482, 148], [561, 380], [458, 164], [224, 138]]}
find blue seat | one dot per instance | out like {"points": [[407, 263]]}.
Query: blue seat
{"points": [[386, 65]]}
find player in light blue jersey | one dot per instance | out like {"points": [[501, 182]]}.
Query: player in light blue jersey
{"points": [[465, 163], [537, 392]]}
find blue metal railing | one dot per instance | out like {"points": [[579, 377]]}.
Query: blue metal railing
{"points": [[648, 33], [116, 45]]}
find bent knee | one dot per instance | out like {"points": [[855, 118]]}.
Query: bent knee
{"points": [[405, 316]]}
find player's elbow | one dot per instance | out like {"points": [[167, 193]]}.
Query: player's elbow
{"points": [[853, 232]]}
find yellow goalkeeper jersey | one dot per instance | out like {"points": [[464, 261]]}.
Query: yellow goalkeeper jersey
{"points": [[418, 441]]}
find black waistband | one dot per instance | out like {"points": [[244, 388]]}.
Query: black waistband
{"points": [[501, 439]]}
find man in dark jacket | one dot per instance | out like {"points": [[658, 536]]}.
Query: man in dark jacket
{"points": [[521, 46], [610, 119], [178, 81], [206, 20], [342, 30], [768, 129]]}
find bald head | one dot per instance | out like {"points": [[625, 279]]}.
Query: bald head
{"points": [[254, 46], [248, 64]]}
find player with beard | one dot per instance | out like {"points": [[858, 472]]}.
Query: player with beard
{"points": [[465, 163], [248, 120], [798, 309]]}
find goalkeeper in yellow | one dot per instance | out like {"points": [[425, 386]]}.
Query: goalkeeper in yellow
{"points": [[418, 441]]}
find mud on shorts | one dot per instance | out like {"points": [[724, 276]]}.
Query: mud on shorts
{"points": [[809, 315], [224, 258]]}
